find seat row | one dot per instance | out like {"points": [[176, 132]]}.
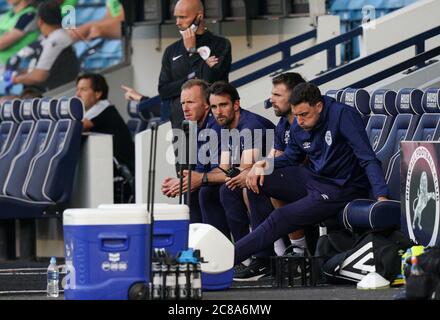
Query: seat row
{"points": [[39, 151], [390, 117]]}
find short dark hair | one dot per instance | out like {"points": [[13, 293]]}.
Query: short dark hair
{"points": [[99, 84], [202, 84], [306, 92], [289, 79], [50, 12], [223, 88]]}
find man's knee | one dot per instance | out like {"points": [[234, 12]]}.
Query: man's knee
{"points": [[227, 194], [208, 194]]}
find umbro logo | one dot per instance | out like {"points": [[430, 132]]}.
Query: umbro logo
{"points": [[306, 145], [177, 57]]}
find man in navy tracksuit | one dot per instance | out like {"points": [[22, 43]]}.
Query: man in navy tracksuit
{"points": [[342, 167], [259, 204], [195, 106], [222, 194]]}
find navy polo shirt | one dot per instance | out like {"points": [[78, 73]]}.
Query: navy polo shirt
{"points": [[253, 131], [338, 149], [282, 134], [205, 147]]}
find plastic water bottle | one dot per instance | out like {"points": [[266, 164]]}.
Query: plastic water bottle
{"points": [[415, 268], [53, 277]]}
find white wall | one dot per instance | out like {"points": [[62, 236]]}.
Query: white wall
{"points": [[147, 55], [388, 30]]}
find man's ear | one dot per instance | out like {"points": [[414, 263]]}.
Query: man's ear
{"points": [[237, 105], [98, 95], [319, 105]]}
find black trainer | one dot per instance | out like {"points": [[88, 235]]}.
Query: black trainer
{"points": [[257, 269], [239, 267]]}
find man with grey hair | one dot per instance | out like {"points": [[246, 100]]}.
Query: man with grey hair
{"points": [[198, 54], [195, 107]]}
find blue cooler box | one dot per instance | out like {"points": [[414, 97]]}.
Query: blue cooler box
{"points": [[106, 251], [170, 227]]}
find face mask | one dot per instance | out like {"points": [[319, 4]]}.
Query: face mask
{"points": [[194, 26]]}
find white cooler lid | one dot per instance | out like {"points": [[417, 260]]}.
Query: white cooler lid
{"points": [[162, 211], [121, 216]]}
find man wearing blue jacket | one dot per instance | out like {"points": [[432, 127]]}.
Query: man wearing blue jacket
{"points": [[342, 167]]}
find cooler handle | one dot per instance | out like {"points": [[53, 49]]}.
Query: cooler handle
{"points": [[163, 237], [112, 242]]}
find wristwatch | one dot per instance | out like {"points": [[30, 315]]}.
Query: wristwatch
{"points": [[192, 50], [205, 181]]}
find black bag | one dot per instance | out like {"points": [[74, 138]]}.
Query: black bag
{"points": [[374, 251]]}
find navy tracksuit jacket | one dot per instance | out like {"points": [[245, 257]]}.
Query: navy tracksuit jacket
{"points": [[342, 167]]}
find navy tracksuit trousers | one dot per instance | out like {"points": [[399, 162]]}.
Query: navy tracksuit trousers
{"points": [[212, 210], [195, 213], [310, 202]]}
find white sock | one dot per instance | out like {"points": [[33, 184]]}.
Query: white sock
{"points": [[279, 246], [300, 245]]}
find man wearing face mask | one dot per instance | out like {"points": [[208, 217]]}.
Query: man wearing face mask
{"points": [[198, 54]]}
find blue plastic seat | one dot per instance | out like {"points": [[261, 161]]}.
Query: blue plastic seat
{"points": [[9, 116], [358, 99], [403, 129], [335, 94], [383, 107], [370, 214], [135, 124], [23, 162], [49, 181], [19, 142]]}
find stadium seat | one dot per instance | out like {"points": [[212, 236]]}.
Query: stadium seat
{"points": [[20, 141], [23, 162], [9, 117], [383, 107], [335, 94], [89, 13], [358, 99], [135, 124], [49, 181], [370, 214], [403, 128]]}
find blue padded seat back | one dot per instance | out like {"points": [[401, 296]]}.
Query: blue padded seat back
{"points": [[18, 144], [335, 94], [10, 111], [358, 99], [409, 100], [52, 175], [431, 100], [427, 130], [47, 109], [135, 124], [403, 129], [380, 123], [331, 93], [21, 164], [9, 117], [383, 101]]}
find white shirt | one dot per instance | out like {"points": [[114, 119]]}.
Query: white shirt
{"points": [[53, 45], [97, 109]]}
